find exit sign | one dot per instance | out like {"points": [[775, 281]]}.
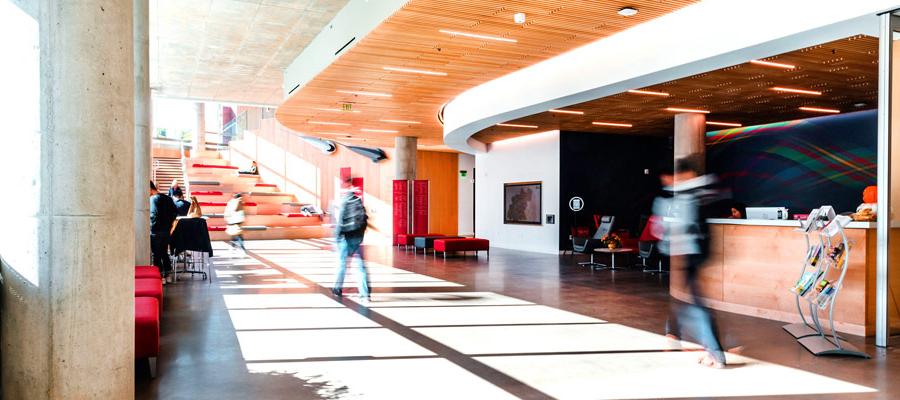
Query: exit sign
{"points": [[347, 107], [463, 173]]}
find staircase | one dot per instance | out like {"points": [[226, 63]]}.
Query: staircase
{"points": [[164, 170], [270, 214]]}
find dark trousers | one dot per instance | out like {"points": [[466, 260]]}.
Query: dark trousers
{"points": [[159, 247]]}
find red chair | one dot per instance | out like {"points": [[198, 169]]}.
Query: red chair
{"points": [[407, 239], [146, 272], [146, 331], [149, 288]]}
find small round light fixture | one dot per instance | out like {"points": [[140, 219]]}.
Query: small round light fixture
{"points": [[628, 11], [519, 18]]}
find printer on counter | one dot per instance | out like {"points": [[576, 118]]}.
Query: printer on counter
{"points": [[767, 213]]}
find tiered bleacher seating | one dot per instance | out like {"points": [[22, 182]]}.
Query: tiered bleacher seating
{"points": [[270, 214]]}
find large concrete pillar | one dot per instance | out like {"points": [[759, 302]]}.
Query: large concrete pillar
{"points": [[405, 148], [142, 138], [690, 137], [199, 144], [68, 294]]}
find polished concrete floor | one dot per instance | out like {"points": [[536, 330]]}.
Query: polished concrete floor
{"points": [[521, 325]]}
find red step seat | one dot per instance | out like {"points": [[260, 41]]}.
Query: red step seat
{"points": [[146, 272], [149, 288], [214, 166], [462, 244], [146, 330], [215, 228], [206, 193], [266, 185], [220, 204], [407, 239]]}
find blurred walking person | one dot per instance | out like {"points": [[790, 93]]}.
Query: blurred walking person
{"points": [[234, 217], [350, 228], [684, 209]]}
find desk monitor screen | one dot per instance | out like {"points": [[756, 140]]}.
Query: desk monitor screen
{"points": [[767, 213]]}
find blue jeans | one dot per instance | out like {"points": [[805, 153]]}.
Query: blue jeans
{"points": [[348, 246]]}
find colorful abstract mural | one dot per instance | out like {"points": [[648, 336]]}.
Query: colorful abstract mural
{"points": [[798, 164]]}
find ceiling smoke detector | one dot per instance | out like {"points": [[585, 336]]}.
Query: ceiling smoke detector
{"points": [[628, 11], [519, 18]]}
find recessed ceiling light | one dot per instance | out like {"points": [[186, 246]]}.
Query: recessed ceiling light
{"points": [[573, 112], [686, 110], [400, 121], [378, 130], [335, 110], [628, 11], [478, 36], [821, 110], [519, 18], [415, 71], [731, 124], [800, 91], [772, 64], [648, 92], [361, 93], [615, 124], [519, 126], [329, 123]]}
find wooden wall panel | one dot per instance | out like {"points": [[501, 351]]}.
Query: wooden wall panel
{"points": [[440, 168]]}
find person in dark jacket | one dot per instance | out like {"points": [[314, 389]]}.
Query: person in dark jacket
{"points": [[182, 205], [162, 215], [350, 228]]}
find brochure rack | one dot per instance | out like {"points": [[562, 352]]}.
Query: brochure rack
{"points": [[821, 277]]}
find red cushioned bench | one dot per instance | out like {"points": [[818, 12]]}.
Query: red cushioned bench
{"points": [[214, 166], [407, 239], [462, 244], [146, 331], [149, 288], [146, 272]]}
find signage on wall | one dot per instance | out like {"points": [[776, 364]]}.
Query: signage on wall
{"points": [[576, 204], [347, 107], [463, 173]]}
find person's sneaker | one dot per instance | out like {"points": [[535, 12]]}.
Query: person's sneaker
{"points": [[337, 292]]}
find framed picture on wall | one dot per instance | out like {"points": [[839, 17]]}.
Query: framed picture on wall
{"points": [[522, 203]]}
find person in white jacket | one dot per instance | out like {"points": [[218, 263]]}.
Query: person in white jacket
{"points": [[234, 217]]}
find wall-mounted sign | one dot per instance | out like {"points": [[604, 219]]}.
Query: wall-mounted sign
{"points": [[347, 107], [463, 173], [576, 204]]}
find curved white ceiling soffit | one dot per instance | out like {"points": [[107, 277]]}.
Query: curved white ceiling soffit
{"points": [[707, 36]]}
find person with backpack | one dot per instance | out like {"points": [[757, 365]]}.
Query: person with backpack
{"points": [[350, 228]]}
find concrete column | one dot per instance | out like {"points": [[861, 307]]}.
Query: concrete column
{"points": [[68, 301], [142, 138], [690, 137], [405, 148], [199, 144]]}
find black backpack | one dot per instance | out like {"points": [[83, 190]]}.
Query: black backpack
{"points": [[353, 216]]}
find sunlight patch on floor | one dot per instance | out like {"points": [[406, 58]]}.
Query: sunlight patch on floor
{"points": [[480, 315], [278, 300], [325, 343]]}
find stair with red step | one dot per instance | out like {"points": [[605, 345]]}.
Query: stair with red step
{"points": [[269, 213]]}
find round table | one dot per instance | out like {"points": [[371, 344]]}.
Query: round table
{"points": [[612, 253]]}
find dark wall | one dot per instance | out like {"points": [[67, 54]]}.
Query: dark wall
{"points": [[608, 172], [800, 164]]}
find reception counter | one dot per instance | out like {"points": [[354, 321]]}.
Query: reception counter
{"points": [[753, 263]]}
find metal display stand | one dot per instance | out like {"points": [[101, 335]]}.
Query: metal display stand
{"points": [[821, 278]]}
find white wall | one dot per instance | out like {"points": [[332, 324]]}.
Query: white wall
{"points": [[525, 159], [466, 193]]}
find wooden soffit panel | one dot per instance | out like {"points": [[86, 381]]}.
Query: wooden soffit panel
{"points": [[844, 71], [412, 39]]}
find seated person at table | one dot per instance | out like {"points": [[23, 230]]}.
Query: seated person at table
{"points": [[181, 205], [738, 211], [195, 211], [254, 169]]}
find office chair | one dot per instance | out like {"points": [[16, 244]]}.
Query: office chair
{"points": [[587, 245]]}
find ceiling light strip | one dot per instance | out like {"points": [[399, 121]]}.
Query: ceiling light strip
{"points": [[519, 126], [793, 90], [329, 123], [363, 93], [378, 130], [415, 71], [686, 110], [772, 64], [614, 124], [478, 36], [573, 112], [821, 110], [648, 92], [731, 124]]}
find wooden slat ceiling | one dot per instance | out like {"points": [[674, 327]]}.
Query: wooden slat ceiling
{"points": [[411, 39], [845, 71]]}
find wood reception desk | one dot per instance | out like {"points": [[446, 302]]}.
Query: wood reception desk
{"points": [[753, 263]]}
